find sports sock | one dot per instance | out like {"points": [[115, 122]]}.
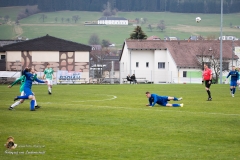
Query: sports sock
{"points": [[209, 93], [176, 105], [49, 89], [22, 97], [234, 89], [35, 103], [175, 99], [32, 107], [231, 89], [15, 104]]}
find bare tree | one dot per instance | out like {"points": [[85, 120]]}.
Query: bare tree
{"points": [[150, 27], [94, 39], [56, 19], [75, 18], [210, 56], [17, 22], [62, 19], [6, 18], [105, 43], [137, 20], [43, 17], [68, 20], [107, 13], [161, 26]]}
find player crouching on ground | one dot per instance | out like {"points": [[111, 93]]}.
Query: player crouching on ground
{"points": [[162, 100], [29, 74]]}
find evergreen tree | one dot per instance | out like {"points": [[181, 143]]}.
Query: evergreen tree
{"points": [[138, 34]]}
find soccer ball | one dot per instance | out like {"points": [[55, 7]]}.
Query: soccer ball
{"points": [[198, 19]]}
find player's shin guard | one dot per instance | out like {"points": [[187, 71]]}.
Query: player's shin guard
{"points": [[22, 97], [32, 105], [234, 89], [176, 105], [209, 93]]}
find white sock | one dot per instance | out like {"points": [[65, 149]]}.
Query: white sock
{"points": [[15, 104], [49, 89], [35, 103]]}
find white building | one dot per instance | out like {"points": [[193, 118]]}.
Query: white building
{"points": [[112, 21], [171, 61]]}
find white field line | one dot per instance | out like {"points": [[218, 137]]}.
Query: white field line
{"points": [[108, 99]]}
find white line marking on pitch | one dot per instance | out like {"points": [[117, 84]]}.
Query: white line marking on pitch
{"points": [[109, 99]]}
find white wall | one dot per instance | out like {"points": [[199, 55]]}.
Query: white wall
{"points": [[45, 56], [13, 56], [81, 56]]}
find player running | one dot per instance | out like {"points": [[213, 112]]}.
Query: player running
{"points": [[207, 77], [22, 80], [29, 74], [162, 100], [48, 74], [234, 78]]}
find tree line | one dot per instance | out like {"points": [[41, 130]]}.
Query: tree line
{"points": [[181, 6]]}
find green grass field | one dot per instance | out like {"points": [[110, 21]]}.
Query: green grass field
{"points": [[177, 24], [112, 122]]}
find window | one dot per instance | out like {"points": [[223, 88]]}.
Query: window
{"points": [[161, 65], [3, 56], [147, 64], [137, 64], [184, 73]]}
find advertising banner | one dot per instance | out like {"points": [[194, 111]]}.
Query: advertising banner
{"points": [[68, 77]]}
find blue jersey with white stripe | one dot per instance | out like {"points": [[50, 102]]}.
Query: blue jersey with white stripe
{"points": [[234, 75]]}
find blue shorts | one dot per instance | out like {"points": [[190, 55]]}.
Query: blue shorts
{"points": [[233, 83], [28, 92], [163, 101]]}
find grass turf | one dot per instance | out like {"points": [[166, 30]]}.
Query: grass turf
{"points": [[88, 122]]}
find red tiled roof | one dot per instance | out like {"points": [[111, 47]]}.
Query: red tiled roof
{"points": [[183, 52]]}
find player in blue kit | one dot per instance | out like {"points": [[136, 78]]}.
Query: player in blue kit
{"points": [[234, 78], [162, 100], [29, 74]]}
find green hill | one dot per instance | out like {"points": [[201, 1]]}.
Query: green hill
{"points": [[177, 24]]}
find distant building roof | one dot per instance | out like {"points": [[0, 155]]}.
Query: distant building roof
{"points": [[153, 38], [96, 47], [112, 18], [183, 52], [7, 42], [47, 43]]}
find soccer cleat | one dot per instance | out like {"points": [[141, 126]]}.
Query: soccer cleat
{"points": [[209, 99], [37, 107], [181, 105], [232, 95], [179, 99], [10, 108], [15, 99], [33, 110]]}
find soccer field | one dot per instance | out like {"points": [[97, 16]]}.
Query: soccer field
{"points": [[112, 122]]}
